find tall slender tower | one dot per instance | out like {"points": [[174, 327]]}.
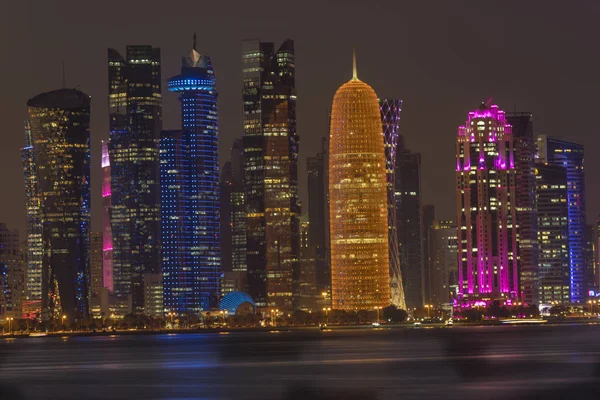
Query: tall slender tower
{"points": [[554, 151], [134, 102], [525, 149], [60, 135], [271, 171], [318, 223], [409, 214], [238, 216], [107, 242], [190, 193], [360, 271], [390, 118], [486, 208], [33, 274], [553, 235]]}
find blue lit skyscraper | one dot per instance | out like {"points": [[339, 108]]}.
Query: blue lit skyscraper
{"points": [[570, 155], [189, 170]]}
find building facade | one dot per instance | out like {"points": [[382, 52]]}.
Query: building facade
{"points": [[271, 171], [390, 118], [318, 224], [59, 123], [107, 243], [12, 274], [486, 208], [553, 231], [428, 217], [570, 155], [33, 274], [96, 272], [225, 185], [135, 120], [409, 223], [360, 270], [189, 164], [443, 261], [524, 154]]}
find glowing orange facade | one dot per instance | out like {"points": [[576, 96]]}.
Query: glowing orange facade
{"points": [[360, 277]]}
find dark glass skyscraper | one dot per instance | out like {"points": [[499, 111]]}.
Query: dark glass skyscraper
{"points": [[33, 274], [318, 222], [238, 216], [410, 225], [190, 193], [429, 272], [553, 223], [271, 171], [390, 118], [227, 285], [60, 135], [570, 155], [134, 87], [524, 150]]}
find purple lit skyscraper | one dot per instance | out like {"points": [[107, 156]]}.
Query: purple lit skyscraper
{"points": [[486, 208]]}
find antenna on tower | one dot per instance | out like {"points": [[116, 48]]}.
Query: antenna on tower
{"points": [[64, 78], [354, 72], [487, 104]]}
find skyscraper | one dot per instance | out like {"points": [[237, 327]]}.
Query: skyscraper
{"points": [[486, 208], [360, 270], [390, 117], [238, 217], [134, 101], [96, 272], [271, 171], [428, 217], [318, 226], [553, 239], [570, 155], [33, 274], [107, 241], [443, 261], [12, 274], [410, 226], [225, 183], [59, 122], [190, 193], [524, 154]]}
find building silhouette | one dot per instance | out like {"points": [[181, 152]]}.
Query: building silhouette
{"points": [[409, 208], [318, 224], [134, 101], [271, 171], [360, 275], [59, 123], [443, 261], [189, 166], [486, 208], [12, 274]]}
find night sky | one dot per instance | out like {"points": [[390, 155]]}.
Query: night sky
{"points": [[441, 57]]}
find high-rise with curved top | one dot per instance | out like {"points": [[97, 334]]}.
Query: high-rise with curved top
{"points": [[60, 136], [360, 278]]}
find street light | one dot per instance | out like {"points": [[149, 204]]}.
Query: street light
{"points": [[327, 309], [428, 306], [378, 308]]}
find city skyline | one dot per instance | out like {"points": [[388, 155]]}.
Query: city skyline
{"points": [[411, 74]]}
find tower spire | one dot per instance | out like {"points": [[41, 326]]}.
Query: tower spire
{"points": [[354, 72]]}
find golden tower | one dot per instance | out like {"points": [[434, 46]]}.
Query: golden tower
{"points": [[360, 277]]}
